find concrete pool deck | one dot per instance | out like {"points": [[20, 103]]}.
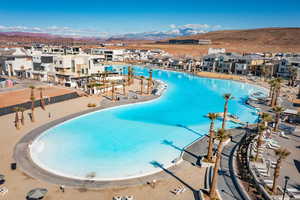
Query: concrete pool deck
{"points": [[19, 183]]}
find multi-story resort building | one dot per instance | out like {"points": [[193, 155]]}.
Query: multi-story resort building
{"points": [[70, 64]]}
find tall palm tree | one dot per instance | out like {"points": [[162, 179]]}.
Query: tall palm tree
{"points": [[212, 117], [227, 97], [42, 101], [22, 110], [276, 91], [272, 86], [265, 118], [222, 135], [17, 119], [261, 129], [281, 155], [278, 110]]}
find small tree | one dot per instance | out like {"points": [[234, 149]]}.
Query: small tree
{"points": [[281, 155]]}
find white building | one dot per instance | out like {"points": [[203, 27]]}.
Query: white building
{"points": [[15, 62], [216, 50]]}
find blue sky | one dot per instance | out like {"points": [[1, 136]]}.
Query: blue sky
{"points": [[97, 17]]}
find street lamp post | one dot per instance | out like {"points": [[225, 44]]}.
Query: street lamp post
{"points": [[286, 181]]}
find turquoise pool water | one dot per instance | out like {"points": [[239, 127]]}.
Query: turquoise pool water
{"points": [[122, 142]]}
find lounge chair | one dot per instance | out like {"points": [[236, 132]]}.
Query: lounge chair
{"points": [[282, 134], [3, 190], [179, 190], [272, 147], [130, 197], [295, 190]]}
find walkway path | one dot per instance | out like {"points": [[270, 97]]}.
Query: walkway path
{"points": [[226, 185]]}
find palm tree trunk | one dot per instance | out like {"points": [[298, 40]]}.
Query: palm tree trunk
{"points": [[210, 145], [212, 193], [277, 96], [22, 118], [225, 114], [273, 99], [142, 85], [32, 112], [276, 175], [258, 144], [124, 89], [17, 121], [277, 118], [271, 91], [42, 100]]}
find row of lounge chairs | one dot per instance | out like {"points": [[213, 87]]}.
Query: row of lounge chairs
{"points": [[180, 189], [130, 197]]}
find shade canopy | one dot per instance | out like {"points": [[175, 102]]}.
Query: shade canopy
{"points": [[37, 193]]}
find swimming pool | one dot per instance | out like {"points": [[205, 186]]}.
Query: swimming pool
{"points": [[121, 142]]}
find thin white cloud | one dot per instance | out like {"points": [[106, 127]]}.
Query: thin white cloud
{"points": [[56, 30]]}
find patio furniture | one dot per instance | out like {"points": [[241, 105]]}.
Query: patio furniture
{"points": [[2, 179], [3, 191], [129, 197], [37, 193]]}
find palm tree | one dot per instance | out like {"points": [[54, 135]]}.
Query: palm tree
{"points": [[221, 136], [22, 109], [212, 117], [278, 110], [281, 155], [227, 97], [17, 120], [272, 86], [42, 101], [32, 98], [276, 91], [261, 129], [113, 91], [124, 88], [265, 118], [32, 87], [142, 84]]}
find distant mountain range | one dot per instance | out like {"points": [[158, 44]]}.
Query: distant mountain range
{"points": [[264, 36], [157, 35]]}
